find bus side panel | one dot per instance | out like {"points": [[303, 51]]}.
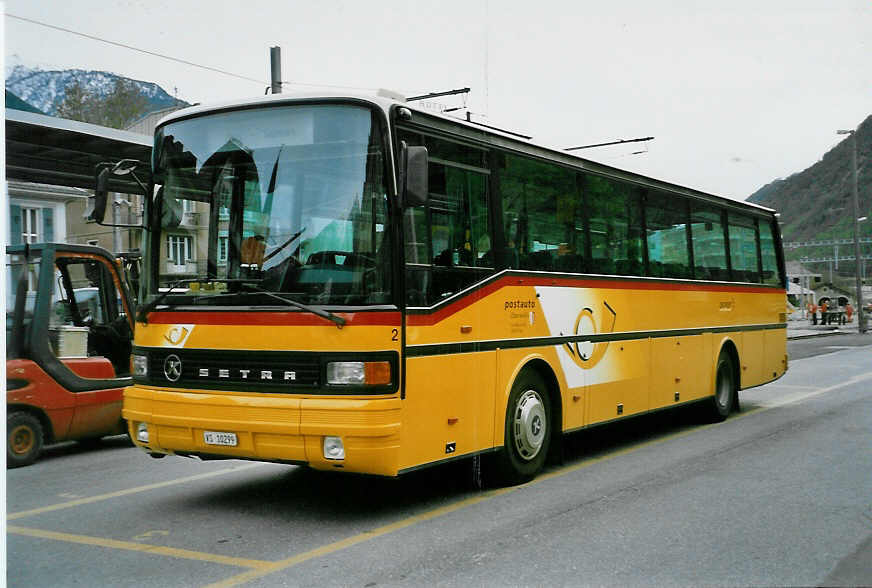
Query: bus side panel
{"points": [[679, 369], [448, 407], [775, 350], [666, 368], [751, 358], [619, 385], [697, 352]]}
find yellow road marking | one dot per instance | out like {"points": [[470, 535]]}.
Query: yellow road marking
{"points": [[90, 499], [359, 538], [380, 531], [150, 549], [262, 568], [561, 471]]}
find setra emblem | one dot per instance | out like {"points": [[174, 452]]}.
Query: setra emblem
{"points": [[173, 367]]}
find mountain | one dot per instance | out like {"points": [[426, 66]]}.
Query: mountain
{"points": [[46, 89], [816, 203]]}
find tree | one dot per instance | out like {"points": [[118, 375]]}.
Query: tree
{"points": [[118, 109], [123, 106], [77, 105]]}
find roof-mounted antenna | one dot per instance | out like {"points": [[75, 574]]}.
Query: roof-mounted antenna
{"points": [[618, 142], [437, 94]]}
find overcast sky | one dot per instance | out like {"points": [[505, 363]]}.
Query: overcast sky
{"points": [[735, 93]]}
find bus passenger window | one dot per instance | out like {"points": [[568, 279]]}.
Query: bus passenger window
{"points": [[709, 244], [452, 235], [666, 224], [541, 216], [768, 254], [743, 248], [615, 226]]}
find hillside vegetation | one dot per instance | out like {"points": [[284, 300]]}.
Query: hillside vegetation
{"points": [[815, 204]]}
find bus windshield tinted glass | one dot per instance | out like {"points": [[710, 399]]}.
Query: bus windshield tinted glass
{"points": [[284, 200]]}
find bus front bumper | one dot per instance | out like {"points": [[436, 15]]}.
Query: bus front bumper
{"points": [[268, 428]]}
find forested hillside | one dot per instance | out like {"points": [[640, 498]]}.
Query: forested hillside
{"points": [[816, 203]]}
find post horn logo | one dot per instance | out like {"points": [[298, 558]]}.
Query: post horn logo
{"points": [[586, 354], [176, 335]]}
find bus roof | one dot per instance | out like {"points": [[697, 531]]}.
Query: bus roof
{"points": [[385, 100]]}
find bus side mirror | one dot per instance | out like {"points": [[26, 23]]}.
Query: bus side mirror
{"points": [[97, 211], [415, 176]]}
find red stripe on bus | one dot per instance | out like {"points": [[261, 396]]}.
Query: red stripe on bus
{"points": [[391, 319], [422, 320]]}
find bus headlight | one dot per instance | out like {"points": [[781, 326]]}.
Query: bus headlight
{"points": [[333, 448], [367, 373], [142, 432], [140, 365]]}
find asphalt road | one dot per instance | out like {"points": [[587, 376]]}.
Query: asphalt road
{"points": [[825, 344], [779, 494]]}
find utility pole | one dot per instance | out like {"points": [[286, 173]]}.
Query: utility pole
{"points": [[275, 62], [861, 316]]}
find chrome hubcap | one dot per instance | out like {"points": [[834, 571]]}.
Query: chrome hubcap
{"points": [[529, 425]]}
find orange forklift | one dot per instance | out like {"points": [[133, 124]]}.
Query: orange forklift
{"points": [[69, 327]]}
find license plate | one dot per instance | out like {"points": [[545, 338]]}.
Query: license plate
{"points": [[219, 438]]}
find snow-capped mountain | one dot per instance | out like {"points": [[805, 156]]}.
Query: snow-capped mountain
{"points": [[45, 89]]}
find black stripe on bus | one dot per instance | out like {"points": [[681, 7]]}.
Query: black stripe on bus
{"points": [[494, 344]]}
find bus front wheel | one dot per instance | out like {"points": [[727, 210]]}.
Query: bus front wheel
{"points": [[721, 403], [527, 430]]}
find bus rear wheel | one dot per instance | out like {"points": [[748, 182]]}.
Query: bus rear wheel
{"points": [[721, 404], [23, 439], [527, 430]]}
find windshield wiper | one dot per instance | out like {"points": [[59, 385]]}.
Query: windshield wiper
{"points": [[142, 315], [293, 238], [143, 312], [340, 322]]}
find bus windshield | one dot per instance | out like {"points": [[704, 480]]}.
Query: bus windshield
{"points": [[275, 202]]}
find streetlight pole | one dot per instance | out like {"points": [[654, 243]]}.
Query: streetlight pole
{"points": [[861, 316]]}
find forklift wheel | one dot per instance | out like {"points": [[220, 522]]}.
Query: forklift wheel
{"points": [[23, 439]]}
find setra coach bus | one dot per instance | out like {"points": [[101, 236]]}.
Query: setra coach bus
{"points": [[356, 284]]}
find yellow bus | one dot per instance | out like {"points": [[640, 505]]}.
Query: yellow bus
{"points": [[357, 284]]}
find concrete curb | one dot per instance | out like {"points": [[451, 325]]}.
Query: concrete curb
{"points": [[812, 335]]}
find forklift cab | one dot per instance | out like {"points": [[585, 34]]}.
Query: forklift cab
{"points": [[69, 328]]}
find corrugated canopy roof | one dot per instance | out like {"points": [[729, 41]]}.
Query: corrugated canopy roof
{"points": [[51, 150]]}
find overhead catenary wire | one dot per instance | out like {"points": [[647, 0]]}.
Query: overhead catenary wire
{"points": [[175, 59], [132, 48]]}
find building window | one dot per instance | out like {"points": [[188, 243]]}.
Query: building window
{"points": [[180, 249], [30, 222]]}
